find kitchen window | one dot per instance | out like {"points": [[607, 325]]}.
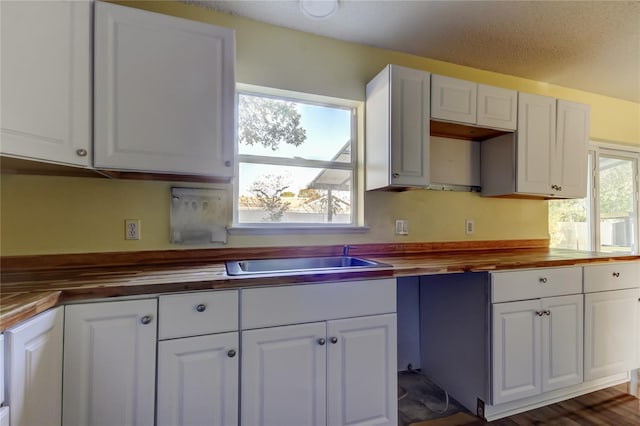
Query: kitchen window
{"points": [[296, 162], [607, 219]]}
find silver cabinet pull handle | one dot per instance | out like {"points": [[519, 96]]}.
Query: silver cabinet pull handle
{"points": [[543, 280], [616, 274], [321, 341], [201, 307], [547, 312], [81, 152], [395, 175], [334, 340], [146, 319], [539, 313], [231, 353]]}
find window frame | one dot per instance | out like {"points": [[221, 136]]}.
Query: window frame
{"points": [[595, 150], [354, 166]]}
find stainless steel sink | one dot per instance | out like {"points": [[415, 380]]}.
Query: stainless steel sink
{"points": [[298, 264]]}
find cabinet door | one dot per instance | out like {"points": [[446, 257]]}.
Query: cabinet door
{"points": [[164, 90], [569, 167], [34, 370], [497, 107], [536, 136], [409, 127], [362, 371], [46, 80], [516, 342], [110, 363], [453, 99], [562, 341], [284, 376], [198, 381], [611, 332]]}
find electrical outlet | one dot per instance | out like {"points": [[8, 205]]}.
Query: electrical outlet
{"points": [[132, 229], [469, 227], [402, 227]]}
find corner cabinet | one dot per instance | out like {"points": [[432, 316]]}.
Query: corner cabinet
{"points": [[398, 129], [546, 158], [110, 363], [34, 370], [46, 81], [320, 354], [164, 94]]}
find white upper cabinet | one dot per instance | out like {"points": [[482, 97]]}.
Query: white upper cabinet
{"points": [[397, 129], [164, 94], [569, 170], [453, 99], [46, 81], [536, 141], [468, 102], [546, 158], [497, 107]]}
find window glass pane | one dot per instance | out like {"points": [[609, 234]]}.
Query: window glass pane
{"points": [[570, 220], [291, 129], [286, 194], [618, 216]]}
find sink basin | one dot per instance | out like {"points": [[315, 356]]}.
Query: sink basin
{"points": [[298, 264]]}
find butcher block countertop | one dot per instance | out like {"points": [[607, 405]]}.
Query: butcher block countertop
{"points": [[32, 284]]}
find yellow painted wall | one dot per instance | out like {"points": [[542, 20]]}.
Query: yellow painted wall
{"points": [[44, 214]]}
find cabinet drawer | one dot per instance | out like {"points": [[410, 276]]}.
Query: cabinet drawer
{"points": [[535, 283], [612, 276], [271, 306], [193, 314]]}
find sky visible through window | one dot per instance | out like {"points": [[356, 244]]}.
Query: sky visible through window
{"points": [[328, 129]]}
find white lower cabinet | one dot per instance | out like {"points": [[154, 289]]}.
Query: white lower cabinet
{"points": [[611, 332], [537, 346], [198, 381], [340, 372], [198, 367], [4, 416], [329, 358], [110, 363], [34, 370]]}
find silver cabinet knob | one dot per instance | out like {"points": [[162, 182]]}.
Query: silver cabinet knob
{"points": [[539, 313], [547, 312], [81, 152], [201, 307], [395, 175], [616, 274], [146, 319], [231, 353], [321, 341], [556, 187], [334, 340], [227, 163], [543, 280]]}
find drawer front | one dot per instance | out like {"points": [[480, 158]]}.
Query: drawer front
{"points": [[535, 283], [271, 306], [612, 276], [193, 314]]}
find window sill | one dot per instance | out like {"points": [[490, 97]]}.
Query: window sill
{"points": [[295, 229]]}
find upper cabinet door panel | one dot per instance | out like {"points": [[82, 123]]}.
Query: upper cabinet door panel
{"points": [[570, 168], [453, 99], [46, 80], [497, 107], [409, 127], [164, 90], [536, 137]]}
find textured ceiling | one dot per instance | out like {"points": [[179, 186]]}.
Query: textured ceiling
{"points": [[587, 45]]}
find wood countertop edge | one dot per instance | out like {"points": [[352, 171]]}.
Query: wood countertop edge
{"points": [[40, 300]]}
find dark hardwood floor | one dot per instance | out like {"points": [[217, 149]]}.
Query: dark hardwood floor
{"points": [[613, 406]]}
